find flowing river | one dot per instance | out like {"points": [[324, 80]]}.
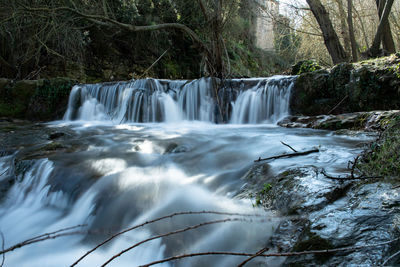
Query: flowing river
{"points": [[136, 151]]}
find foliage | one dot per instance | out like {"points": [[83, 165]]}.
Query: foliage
{"points": [[382, 158], [262, 194], [305, 66], [45, 44]]}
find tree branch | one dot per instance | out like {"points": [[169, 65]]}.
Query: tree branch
{"points": [[100, 20], [160, 219], [171, 233], [285, 254], [43, 237], [289, 155]]}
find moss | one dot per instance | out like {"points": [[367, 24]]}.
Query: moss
{"points": [[311, 241], [305, 66], [382, 158], [53, 146]]}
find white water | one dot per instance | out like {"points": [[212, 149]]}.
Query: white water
{"points": [[149, 100], [121, 174]]}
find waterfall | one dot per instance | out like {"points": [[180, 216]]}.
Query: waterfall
{"points": [[150, 100]]}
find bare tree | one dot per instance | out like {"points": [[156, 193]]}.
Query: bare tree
{"points": [[354, 48], [331, 40]]}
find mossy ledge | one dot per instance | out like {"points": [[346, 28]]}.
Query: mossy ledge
{"points": [[348, 87], [36, 100]]}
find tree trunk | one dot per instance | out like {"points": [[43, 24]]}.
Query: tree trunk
{"points": [[374, 51], [387, 38], [331, 39], [354, 49], [344, 26]]}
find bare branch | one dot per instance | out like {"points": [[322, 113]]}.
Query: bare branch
{"points": [[285, 254], [43, 237], [2, 248], [261, 251], [105, 21], [289, 155], [294, 150], [160, 219], [172, 233]]}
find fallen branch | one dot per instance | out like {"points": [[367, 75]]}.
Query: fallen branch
{"points": [[171, 233], [2, 248], [349, 177], [289, 155], [159, 219], [43, 237], [285, 254], [294, 150]]}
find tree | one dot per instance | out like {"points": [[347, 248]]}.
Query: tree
{"points": [[206, 31], [331, 39]]}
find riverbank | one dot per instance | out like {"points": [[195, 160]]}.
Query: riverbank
{"points": [[357, 212]]}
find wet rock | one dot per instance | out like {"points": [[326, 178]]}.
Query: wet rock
{"points": [[324, 214], [56, 135], [365, 86], [374, 120]]}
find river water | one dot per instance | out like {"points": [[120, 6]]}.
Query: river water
{"points": [[149, 156]]}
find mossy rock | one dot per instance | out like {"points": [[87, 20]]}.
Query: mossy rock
{"points": [[305, 66]]}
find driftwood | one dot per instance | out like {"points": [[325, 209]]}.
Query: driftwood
{"points": [[284, 254], [294, 150], [160, 219], [295, 154], [349, 177]]}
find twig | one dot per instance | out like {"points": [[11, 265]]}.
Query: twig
{"points": [[289, 155], [25, 243], [350, 177], [294, 150], [154, 63], [43, 237], [285, 254], [2, 248], [252, 257], [391, 257], [159, 219], [170, 233], [335, 107]]}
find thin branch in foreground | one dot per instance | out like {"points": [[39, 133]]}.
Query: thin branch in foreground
{"points": [[261, 251], [285, 254], [391, 257], [289, 155], [25, 243], [2, 248], [160, 219], [172, 233], [43, 237]]}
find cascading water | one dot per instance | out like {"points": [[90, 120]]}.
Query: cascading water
{"points": [[150, 100], [111, 176]]}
